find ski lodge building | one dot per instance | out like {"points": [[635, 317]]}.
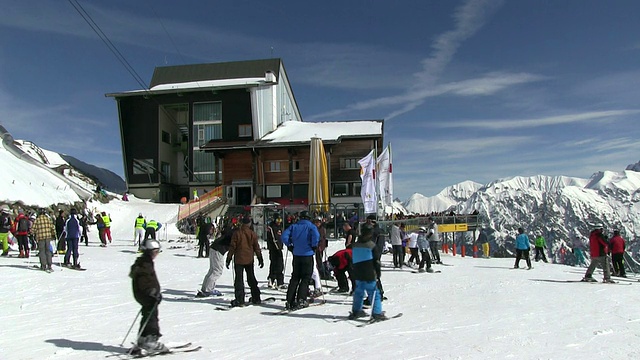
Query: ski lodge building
{"points": [[233, 128]]}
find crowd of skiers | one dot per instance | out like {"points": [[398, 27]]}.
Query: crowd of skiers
{"points": [[605, 253], [49, 234]]}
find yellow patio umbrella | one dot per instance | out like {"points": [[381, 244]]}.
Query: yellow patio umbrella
{"points": [[318, 177]]}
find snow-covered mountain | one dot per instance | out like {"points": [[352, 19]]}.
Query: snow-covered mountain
{"points": [[448, 199], [558, 207]]}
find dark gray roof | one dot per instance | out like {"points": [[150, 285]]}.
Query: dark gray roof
{"points": [[215, 71]]}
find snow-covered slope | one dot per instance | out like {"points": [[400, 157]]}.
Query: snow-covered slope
{"points": [[476, 309]]}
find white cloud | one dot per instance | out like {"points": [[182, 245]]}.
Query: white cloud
{"points": [[515, 123]]}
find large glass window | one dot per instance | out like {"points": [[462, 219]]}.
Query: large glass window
{"points": [[207, 122], [203, 166]]}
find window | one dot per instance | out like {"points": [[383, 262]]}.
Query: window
{"points": [[274, 191], [340, 190], [207, 122], [142, 166], [276, 166], [165, 168], [296, 165], [244, 130], [357, 188], [203, 166], [349, 164], [166, 137]]}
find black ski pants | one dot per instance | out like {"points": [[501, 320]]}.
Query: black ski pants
{"points": [[149, 317], [426, 259], [415, 255], [238, 284], [398, 256], [522, 254], [434, 251], [203, 246], [540, 254], [276, 266], [298, 289], [618, 264]]}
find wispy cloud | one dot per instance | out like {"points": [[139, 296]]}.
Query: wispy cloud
{"points": [[468, 20], [451, 148], [514, 123]]}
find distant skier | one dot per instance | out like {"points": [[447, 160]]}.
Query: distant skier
{"points": [[396, 243], [541, 245], [100, 225], [60, 221], [599, 248], [366, 271], [244, 244], [578, 250], [219, 247], [5, 226], [276, 259], [150, 232], [342, 265], [301, 239], [138, 229], [423, 247], [433, 235], [107, 226], [72, 229], [204, 232], [22, 226], [146, 291], [618, 248], [483, 239], [523, 245], [45, 232]]}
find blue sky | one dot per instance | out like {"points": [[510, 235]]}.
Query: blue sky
{"points": [[470, 90]]}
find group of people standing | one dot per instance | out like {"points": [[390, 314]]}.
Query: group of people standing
{"points": [[422, 244]]}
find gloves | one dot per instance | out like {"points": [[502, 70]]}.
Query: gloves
{"points": [[260, 262], [290, 247], [154, 293], [228, 263]]}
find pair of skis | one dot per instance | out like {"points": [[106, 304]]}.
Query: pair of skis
{"points": [[229, 307], [176, 349], [367, 321]]}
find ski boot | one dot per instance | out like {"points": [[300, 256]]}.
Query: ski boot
{"points": [[380, 317], [357, 315], [151, 345], [589, 278]]}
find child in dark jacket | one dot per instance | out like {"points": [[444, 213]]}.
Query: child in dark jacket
{"points": [[146, 291]]}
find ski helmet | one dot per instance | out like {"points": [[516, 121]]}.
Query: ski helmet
{"points": [[151, 244]]}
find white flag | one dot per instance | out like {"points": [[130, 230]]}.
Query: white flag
{"points": [[385, 176], [368, 176]]}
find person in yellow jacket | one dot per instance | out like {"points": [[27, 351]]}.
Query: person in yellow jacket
{"points": [[150, 232], [139, 229], [107, 226]]}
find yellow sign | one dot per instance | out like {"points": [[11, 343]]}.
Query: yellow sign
{"points": [[453, 227]]}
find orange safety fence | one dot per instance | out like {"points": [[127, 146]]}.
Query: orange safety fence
{"points": [[194, 206]]}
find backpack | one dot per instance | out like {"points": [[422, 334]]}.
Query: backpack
{"points": [[23, 225]]}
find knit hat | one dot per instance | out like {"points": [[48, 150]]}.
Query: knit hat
{"points": [[246, 220]]}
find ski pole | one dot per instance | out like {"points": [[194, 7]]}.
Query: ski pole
{"points": [[131, 327]]}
